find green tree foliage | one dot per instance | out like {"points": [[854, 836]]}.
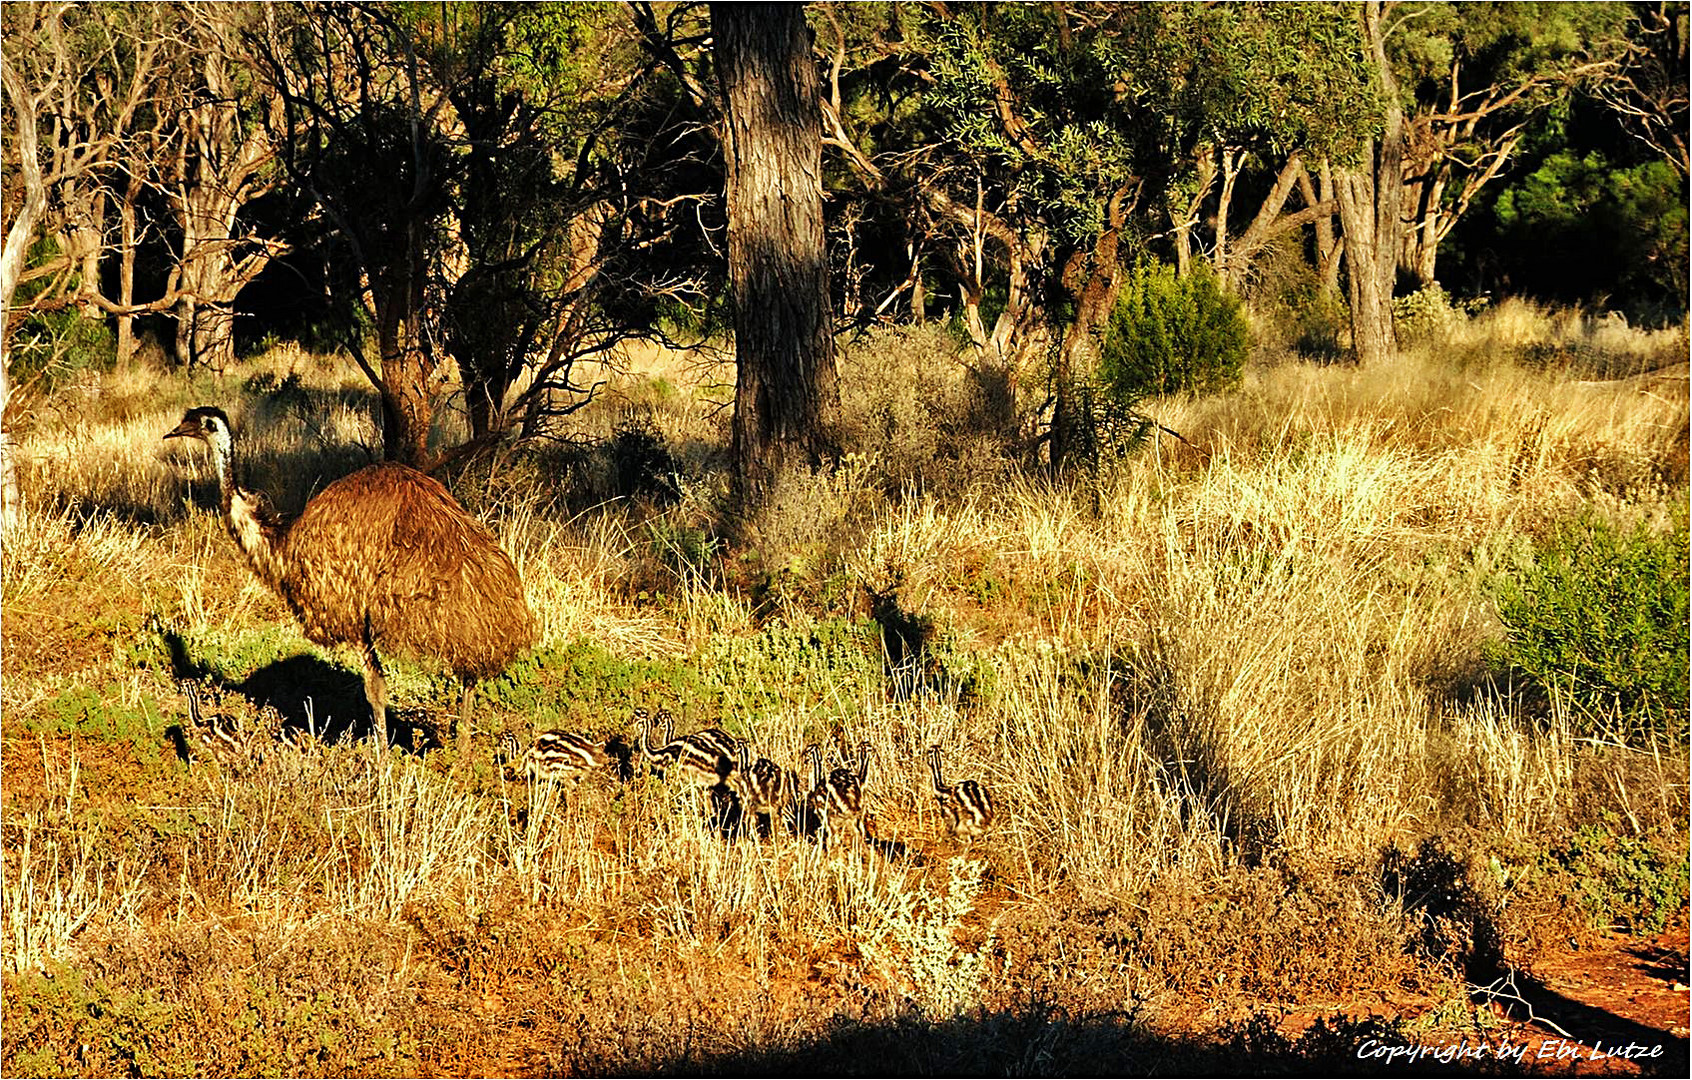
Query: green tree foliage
{"points": [[1472, 78], [1170, 333], [51, 346], [1628, 222], [1030, 147], [531, 85], [1600, 621], [1039, 105], [528, 209], [1281, 77]]}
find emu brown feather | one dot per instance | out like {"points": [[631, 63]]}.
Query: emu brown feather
{"points": [[388, 552], [385, 559]]}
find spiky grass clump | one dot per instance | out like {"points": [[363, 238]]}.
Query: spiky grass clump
{"points": [[1223, 678]]}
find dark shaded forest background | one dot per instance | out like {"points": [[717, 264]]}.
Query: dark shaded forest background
{"points": [[488, 193]]}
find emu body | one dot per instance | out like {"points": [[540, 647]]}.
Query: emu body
{"points": [[766, 788], [967, 807], [693, 759], [384, 559], [556, 757], [838, 800]]}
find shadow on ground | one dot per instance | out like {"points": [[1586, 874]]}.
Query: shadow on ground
{"points": [[1047, 1040]]}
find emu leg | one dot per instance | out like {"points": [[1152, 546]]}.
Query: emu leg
{"points": [[466, 700], [376, 692]]}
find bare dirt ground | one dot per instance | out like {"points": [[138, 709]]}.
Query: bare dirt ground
{"points": [[1609, 1005], [1606, 1005], [1608, 995]]}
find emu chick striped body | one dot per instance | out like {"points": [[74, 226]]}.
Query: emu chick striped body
{"points": [[692, 759], [557, 757], [967, 807], [838, 800], [766, 788]]}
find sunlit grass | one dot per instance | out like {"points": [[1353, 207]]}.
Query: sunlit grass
{"points": [[1258, 648]]}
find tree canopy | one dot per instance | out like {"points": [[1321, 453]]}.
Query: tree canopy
{"points": [[478, 196]]}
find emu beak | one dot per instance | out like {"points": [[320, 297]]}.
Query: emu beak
{"points": [[187, 429]]}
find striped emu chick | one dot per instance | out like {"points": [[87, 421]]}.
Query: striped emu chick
{"points": [[556, 757], [967, 807], [222, 735], [718, 740], [766, 788], [650, 751], [692, 759], [838, 800]]}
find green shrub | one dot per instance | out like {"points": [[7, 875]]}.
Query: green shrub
{"points": [[642, 467], [1423, 315], [828, 666], [1599, 620], [1319, 325], [59, 346], [98, 713], [1622, 882], [1427, 314], [1293, 309], [1168, 334]]}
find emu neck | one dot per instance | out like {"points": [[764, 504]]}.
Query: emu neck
{"points": [[247, 514], [223, 461], [255, 533]]}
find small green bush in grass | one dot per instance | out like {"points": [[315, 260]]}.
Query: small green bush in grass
{"points": [[1599, 620], [95, 712], [584, 682], [1169, 334], [1623, 882]]}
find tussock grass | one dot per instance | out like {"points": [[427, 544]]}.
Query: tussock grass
{"points": [[1239, 669], [61, 883]]}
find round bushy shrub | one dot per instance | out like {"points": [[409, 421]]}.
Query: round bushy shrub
{"points": [[1169, 334], [1600, 621]]}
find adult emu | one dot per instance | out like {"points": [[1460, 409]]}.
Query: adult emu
{"points": [[385, 559]]}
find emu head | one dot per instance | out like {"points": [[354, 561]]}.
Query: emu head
{"points": [[211, 426], [207, 423]]}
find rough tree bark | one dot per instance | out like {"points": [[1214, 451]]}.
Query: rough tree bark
{"points": [[1093, 277], [778, 268], [223, 163], [1370, 196], [1327, 244], [17, 239]]}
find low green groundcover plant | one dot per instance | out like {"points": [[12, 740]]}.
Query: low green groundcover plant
{"points": [[1599, 620]]}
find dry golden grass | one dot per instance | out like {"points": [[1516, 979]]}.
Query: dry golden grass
{"points": [[1240, 657]]}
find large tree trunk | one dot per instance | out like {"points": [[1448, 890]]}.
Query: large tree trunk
{"points": [[1421, 240], [778, 269], [405, 385], [205, 334], [17, 240], [1369, 201], [221, 169], [1093, 278]]}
